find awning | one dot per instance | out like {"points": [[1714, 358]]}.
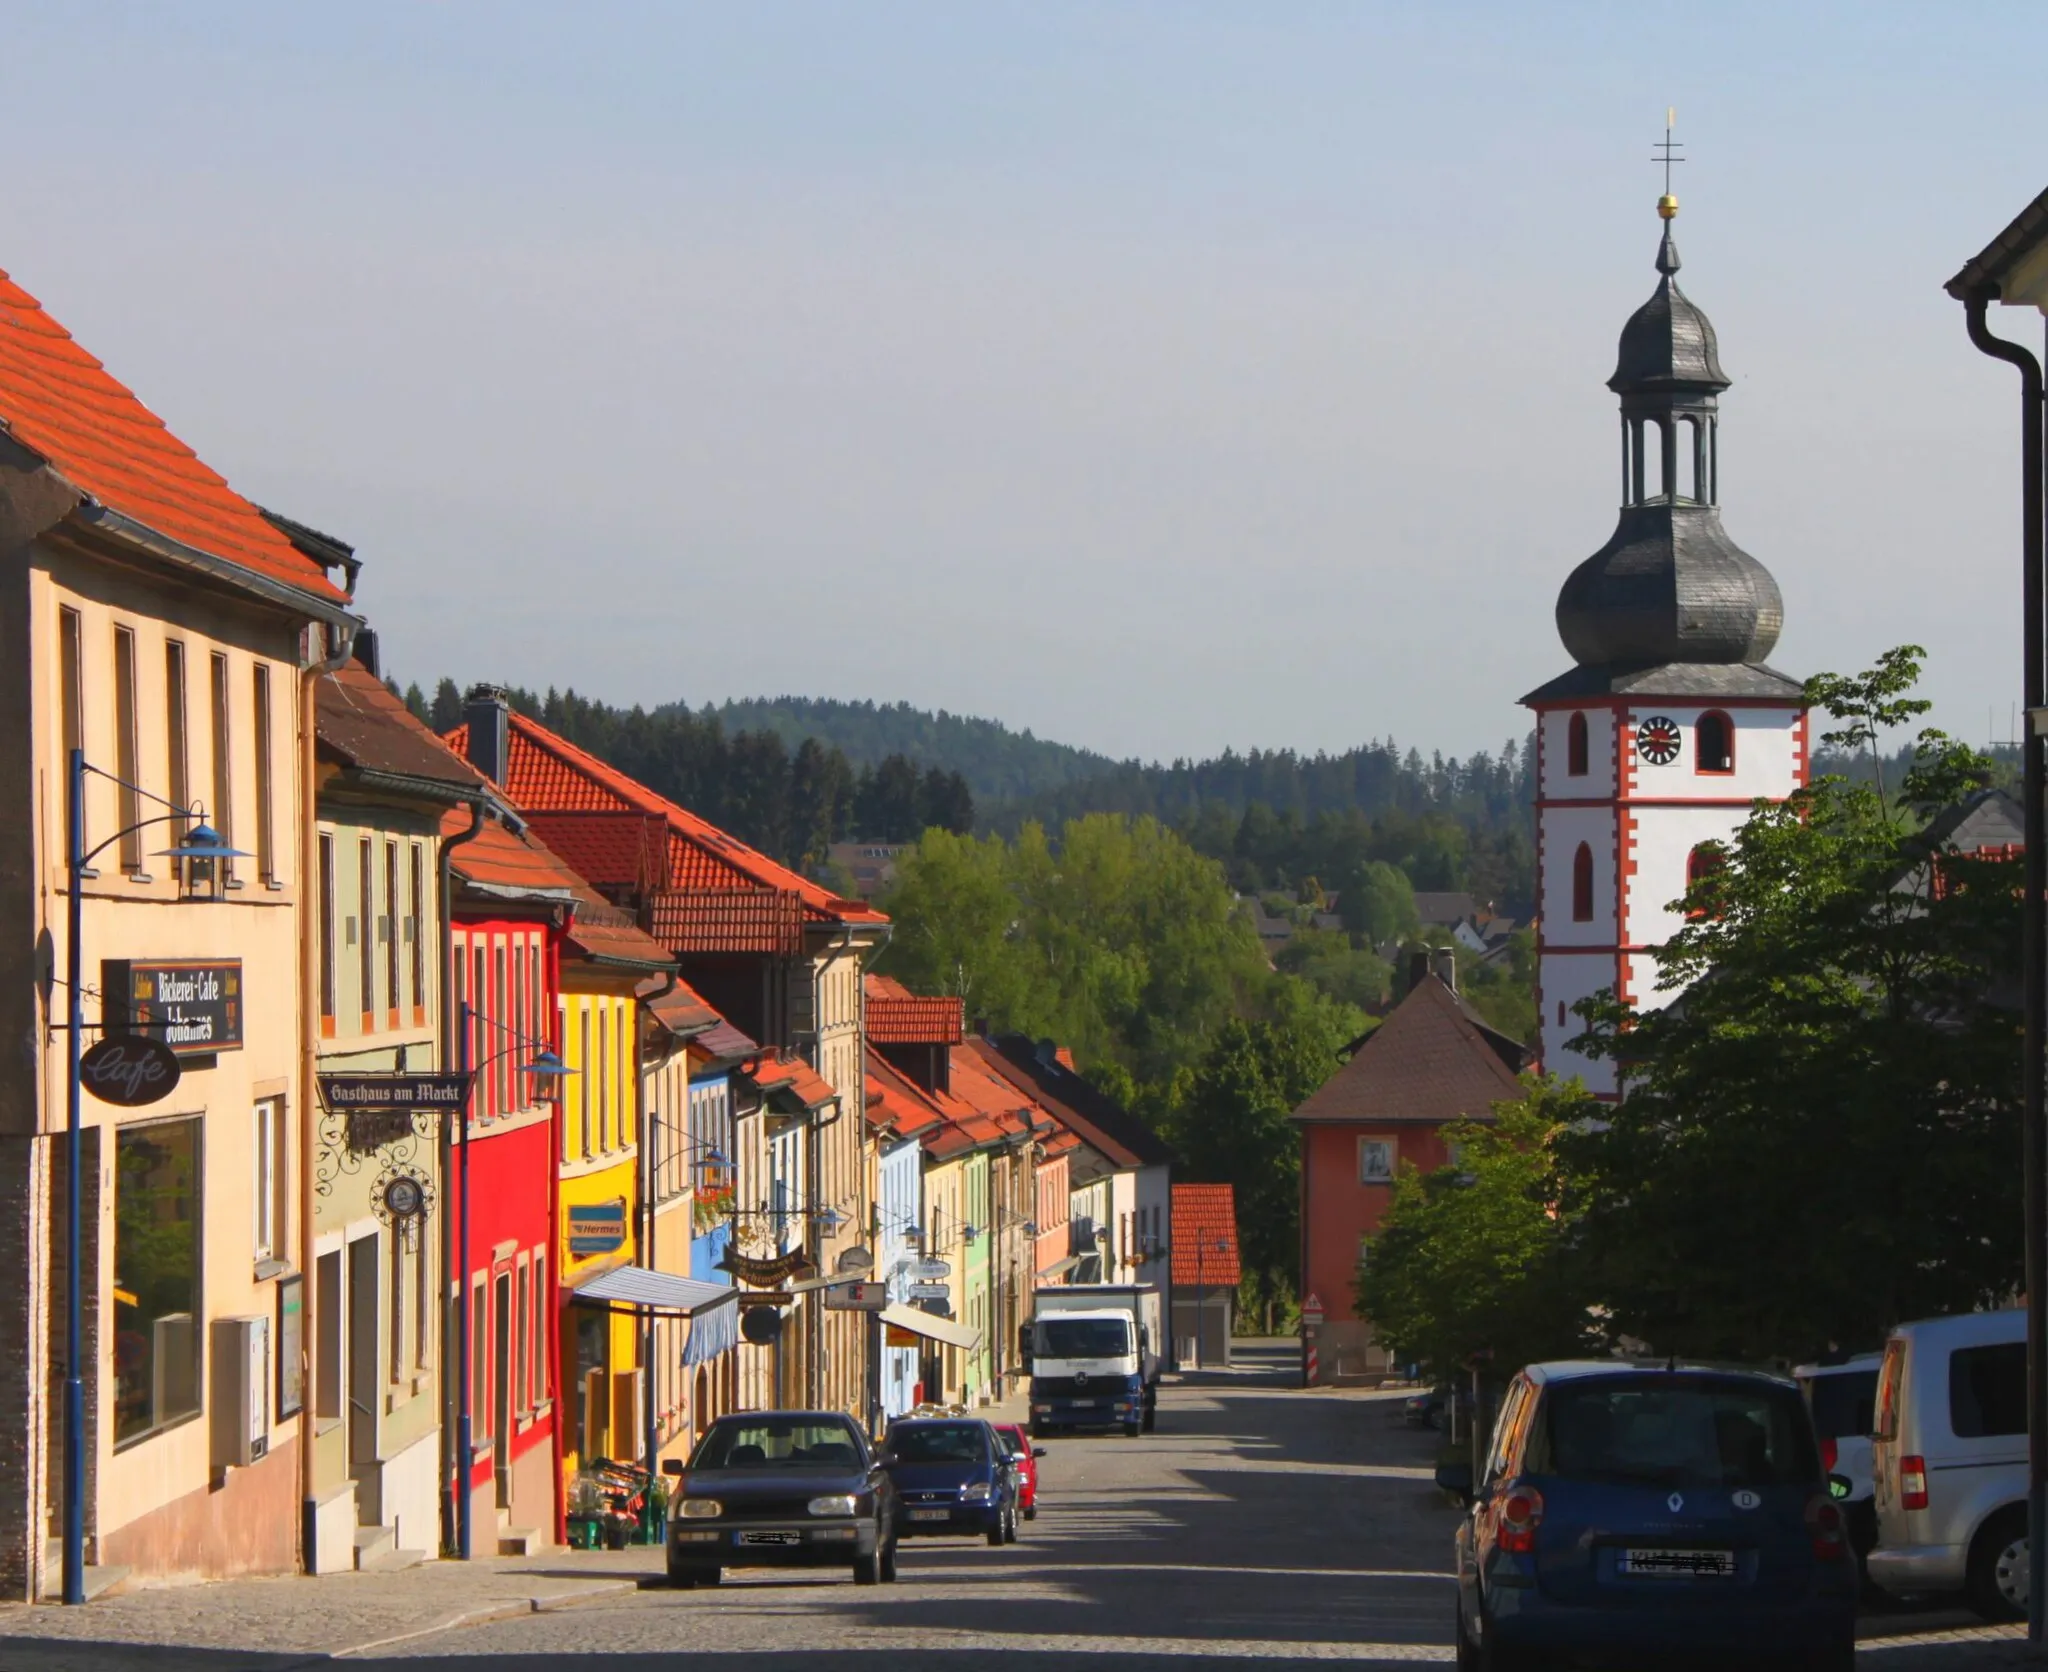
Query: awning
{"points": [[932, 1327], [637, 1289], [713, 1331], [1060, 1268]]}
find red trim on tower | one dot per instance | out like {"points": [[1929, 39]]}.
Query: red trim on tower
{"points": [[1802, 755], [1659, 801]]}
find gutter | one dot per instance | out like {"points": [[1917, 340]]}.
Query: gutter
{"points": [[141, 537]]}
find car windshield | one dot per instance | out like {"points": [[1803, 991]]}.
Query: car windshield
{"points": [[1844, 1403], [767, 1442], [1083, 1338], [1667, 1432], [940, 1442]]}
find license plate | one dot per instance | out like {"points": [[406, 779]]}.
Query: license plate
{"points": [[1679, 1564], [931, 1515], [1085, 1404], [772, 1538]]}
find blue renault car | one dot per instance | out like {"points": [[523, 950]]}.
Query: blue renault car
{"points": [[1649, 1516], [953, 1476]]}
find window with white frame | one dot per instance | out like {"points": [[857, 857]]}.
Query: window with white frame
{"points": [[266, 1162]]}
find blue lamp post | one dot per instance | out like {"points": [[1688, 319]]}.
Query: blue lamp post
{"points": [[201, 856]]}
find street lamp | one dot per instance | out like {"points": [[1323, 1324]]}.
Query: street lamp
{"points": [[547, 1071], [201, 853]]}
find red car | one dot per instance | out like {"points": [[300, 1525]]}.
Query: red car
{"points": [[1026, 1465]]}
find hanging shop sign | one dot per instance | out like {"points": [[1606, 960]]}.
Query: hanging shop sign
{"points": [[380, 1109], [762, 1325], [767, 1272], [402, 1197], [898, 1336], [595, 1227], [930, 1291], [856, 1297], [194, 1005], [130, 1072], [930, 1271]]}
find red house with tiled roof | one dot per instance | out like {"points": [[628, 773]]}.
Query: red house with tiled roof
{"points": [[775, 953], [1433, 1061], [1205, 1273]]}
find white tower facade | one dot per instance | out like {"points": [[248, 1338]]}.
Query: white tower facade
{"points": [[1652, 750]]}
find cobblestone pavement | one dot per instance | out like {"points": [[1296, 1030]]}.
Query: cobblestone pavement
{"points": [[1259, 1524]]}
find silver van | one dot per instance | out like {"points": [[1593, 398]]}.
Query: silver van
{"points": [[1949, 1461]]}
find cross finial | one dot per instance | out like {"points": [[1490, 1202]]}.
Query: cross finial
{"points": [[1668, 149]]}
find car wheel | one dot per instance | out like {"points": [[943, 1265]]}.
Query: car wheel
{"points": [[1031, 1510], [889, 1564], [995, 1529], [1133, 1429], [1151, 1415], [867, 1570], [1010, 1526], [1997, 1579], [686, 1576], [1468, 1651]]}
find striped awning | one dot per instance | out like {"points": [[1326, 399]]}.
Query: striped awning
{"points": [[636, 1289]]}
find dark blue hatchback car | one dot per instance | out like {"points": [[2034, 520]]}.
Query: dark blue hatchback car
{"points": [[1641, 1516]]}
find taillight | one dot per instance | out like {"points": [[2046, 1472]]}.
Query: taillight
{"points": [[1827, 1528], [1912, 1483], [1521, 1511], [1829, 1452]]}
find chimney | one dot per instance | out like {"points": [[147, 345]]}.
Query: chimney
{"points": [[366, 652], [1048, 1052], [1418, 967], [486, 714], [1444, 962]]}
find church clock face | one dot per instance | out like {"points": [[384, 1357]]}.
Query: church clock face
{"points": [[1658, 740]]}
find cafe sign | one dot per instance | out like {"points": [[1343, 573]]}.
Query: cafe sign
{"points": [[130, 1072], [194, 1005]]}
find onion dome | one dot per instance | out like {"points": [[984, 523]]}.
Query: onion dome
{"points": [[1668, 342]]}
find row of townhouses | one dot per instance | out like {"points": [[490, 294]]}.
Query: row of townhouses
{"points": [[404, 1127]]}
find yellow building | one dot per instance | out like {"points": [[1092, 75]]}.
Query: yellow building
{"points": [[602, 1218]]}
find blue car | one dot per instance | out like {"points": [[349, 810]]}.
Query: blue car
{"points": [[1643, 1515], [953, 1477]]}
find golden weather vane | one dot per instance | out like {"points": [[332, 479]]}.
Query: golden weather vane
{"points": [[1668, 149]]}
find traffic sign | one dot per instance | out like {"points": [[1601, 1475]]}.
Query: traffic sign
{"points": [[1312, 1310]]}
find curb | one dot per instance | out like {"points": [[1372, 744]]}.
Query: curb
{"points": [[510, 1609]]}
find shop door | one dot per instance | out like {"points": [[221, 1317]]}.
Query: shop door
{"points": [[364, 1295], [501, 1388]]}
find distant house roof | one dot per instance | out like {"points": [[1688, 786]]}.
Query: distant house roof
{"points": [[1101, 1122], [359, 724], [2014, 252], [506, 864], [604, 935], [1989, 819], [784, 1075], [680, 1009], [1205, 1247], [1432, 1060], [1443, 910], [60, 403], [897, 1016]]}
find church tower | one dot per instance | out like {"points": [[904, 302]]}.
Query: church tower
{"points": [[1651, 750]]}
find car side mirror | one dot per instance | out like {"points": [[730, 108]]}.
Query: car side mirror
{"points": [[1456, 1479], [1038, 1451], [884, 1458], [672, 1466]]}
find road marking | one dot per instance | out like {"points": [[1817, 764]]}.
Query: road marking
{"points": [[1185, 1648], [1080, 1569]]}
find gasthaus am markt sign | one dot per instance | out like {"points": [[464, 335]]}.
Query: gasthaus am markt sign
{"points": [[194, 1005]]}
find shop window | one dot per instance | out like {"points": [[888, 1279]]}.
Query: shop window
{"points": [[1576, 746], [1714, 743], [266, 850], [537, 1394], [223, 809], [366, 941], [267, 1164], [388, 925], [128, 797], [416, 937], [71, 672], [1582, 885], [156, 1277], [174, 734], [327, 935]]}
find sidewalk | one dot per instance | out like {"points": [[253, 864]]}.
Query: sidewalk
{"points": [[276, 1623]]}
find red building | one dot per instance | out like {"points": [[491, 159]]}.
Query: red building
{"points": [[513, 905], [1433, 1061]]}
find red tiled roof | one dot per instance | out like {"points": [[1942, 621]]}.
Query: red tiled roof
{"points": [[545, 772], [897, 1016], [623, 848], [780, 1071], [681, 1009], [502, 860], [1431, 1061], [763, 920], [1205, 1214], [61, 403], [1104, 1125], [602, 931]]}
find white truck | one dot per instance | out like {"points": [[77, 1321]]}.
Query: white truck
{"points": [[1093, 1353]]}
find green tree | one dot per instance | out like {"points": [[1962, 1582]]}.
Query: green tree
{"points": [[1823, 1137], [446, 713], [1377, 903], [1328, 961], [1475, 1257]]}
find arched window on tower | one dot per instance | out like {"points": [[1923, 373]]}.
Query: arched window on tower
{"points": [[1707, 860], [1575, 747], [1714, 743], [1582, 885]]}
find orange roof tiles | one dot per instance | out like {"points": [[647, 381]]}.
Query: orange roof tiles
{"points": [[61, 403], [1204, 1240], [545, 772], [764, 920], [680, 1009], [1433, 1060], [781, 1071], [897, 1016], [503, 861]]}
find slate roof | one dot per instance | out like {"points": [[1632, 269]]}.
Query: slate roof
{"points": [[1986, 271], [1989, 819], [1096, 1118], [897, 1016], [1205, 1213], [1442, 910], [358, 722], [1672, 679], [60, 403], [1432, 1060]]}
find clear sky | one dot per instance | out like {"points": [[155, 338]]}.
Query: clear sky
{"points": [[1156, 376]]}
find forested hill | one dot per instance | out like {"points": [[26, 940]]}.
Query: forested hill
{"points": [[999, 764]]}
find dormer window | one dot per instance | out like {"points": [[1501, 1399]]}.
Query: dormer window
{"points": [[1714, 743], [1576, 746]]}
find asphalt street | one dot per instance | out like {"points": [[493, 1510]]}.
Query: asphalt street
{"points": [[1259, 1525]]}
